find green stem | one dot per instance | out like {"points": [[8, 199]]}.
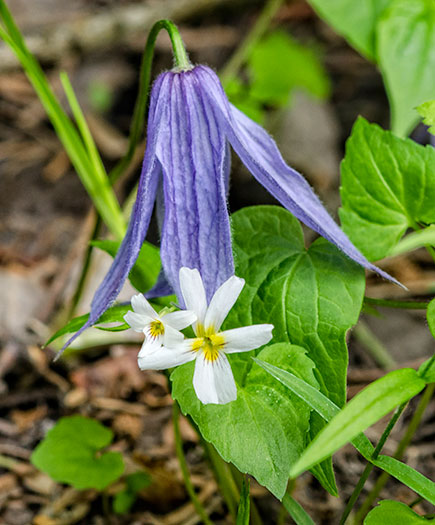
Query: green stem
{"points": [[375, 347], [224, 479], [182, 62], [407, 305], [184, 469], [369, 467], [238, 477], [257, 31], [403, 444], [428, 365]]}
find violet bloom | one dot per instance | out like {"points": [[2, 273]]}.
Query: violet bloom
{"points": [[186, 170], [213, 379]]}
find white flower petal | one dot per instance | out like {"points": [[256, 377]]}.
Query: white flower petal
{"points": [[222, 302], [137, 321], [172, 338], [179, 320], [193, 292], [155, 357], [142, 306], [246, 338], [148, 347], [213, 381]]}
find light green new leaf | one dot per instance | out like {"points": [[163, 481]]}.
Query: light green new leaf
{"points": [[406, 54], [327, 409], [243, 512], [415, 240], [356, 21], [388, 185], [389, 511], [70, 453], [265, 430], [144, 273], [367, 407], [427, 111], [298, 513]]}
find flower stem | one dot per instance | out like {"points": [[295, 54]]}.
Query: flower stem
{"points": [[403, 444], [369, 467], [137, 124], [407, 305], [184, 469], [374, 346], [257, 31], [225, 481]]}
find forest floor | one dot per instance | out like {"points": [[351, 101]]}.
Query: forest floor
{"points": [[46, 221]]}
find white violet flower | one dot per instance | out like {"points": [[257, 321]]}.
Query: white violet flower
{"points": [[159, 328], [213, 379]]}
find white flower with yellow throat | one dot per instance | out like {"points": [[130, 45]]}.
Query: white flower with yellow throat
{"points": [[213, 379]]}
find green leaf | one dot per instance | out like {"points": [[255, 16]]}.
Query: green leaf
{"points": [[356, 21], [427, 370], [115, 314], [415, 240], [146, 268], [389, 511], [327, 409], [278, 64], [388, 185], [367, 407], [123, 500], [243, 512], [71, 453], [406, 40], [312, 297], [427, 111], [299, 515], [264, 431]]}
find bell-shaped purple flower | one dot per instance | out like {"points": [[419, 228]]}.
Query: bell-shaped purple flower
{"points": [[186, 170]]}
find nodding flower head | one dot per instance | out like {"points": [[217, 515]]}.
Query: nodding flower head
{"points": [[185, 171]]}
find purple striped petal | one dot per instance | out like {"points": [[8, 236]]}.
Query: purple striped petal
{"points": [[193, 153], [259, 153]]}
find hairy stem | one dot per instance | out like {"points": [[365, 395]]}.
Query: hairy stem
{"points": [[137, 125]]}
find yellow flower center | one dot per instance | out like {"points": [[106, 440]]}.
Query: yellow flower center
{"points": [[156, 329], [211, 344]]}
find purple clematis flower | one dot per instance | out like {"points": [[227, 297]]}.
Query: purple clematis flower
{"points": [[186, 170]]}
